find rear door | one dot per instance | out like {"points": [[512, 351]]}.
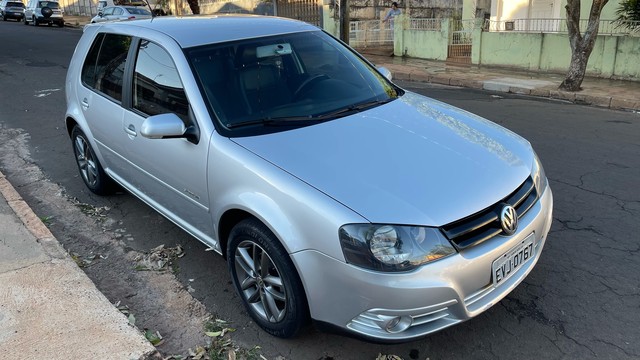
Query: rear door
{"points": [[101, 94]]}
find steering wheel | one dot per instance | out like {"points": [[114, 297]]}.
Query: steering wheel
{"points": [[305, 86]]}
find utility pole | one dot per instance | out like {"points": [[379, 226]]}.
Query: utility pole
{"points": [[344, 20]]}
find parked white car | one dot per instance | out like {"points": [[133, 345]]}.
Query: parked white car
{"points": [[120, 13], [43, 12], [333, 194]]}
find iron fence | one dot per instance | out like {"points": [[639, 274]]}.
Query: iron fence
{"points": [[425, 24], [605, 27], [369, 33]]}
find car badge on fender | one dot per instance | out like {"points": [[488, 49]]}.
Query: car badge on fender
{"points": [[509, 219]]}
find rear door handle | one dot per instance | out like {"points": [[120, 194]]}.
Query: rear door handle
{"points": [[131, 130]]}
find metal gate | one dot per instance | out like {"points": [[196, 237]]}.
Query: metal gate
{"points": [[370, 33], [304, 10], [460, 40]]}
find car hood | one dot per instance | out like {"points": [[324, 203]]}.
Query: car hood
{"points": [[411, 161]]}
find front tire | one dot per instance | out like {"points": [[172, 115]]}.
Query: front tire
{"points": [[266, 279], [89, 166], [35, 21]]}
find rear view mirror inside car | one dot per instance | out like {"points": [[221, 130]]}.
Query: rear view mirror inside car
{"points": [[273, 50]]}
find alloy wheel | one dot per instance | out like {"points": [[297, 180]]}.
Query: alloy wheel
{"points": [[260, 281], [86, 162]]}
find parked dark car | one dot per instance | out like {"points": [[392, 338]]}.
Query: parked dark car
{"points": [[13, 10]]}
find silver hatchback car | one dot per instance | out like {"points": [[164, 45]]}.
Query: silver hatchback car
{"points": [[333, 194]]}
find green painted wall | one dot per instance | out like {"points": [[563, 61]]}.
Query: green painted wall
{"points": [[421, 43], [510, 49], [626, 58], [612, 56]]}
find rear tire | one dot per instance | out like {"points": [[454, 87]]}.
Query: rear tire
{"points": [[91, 170], [35, 21], [25, 20], [266, 279]]}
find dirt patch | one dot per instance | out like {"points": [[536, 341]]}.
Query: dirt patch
{"points": [[156, 299]]}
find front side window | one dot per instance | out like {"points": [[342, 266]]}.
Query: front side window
{"points": [[104, 65], [301, 78], [157, 88]]}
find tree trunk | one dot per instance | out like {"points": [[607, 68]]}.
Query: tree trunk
{"points": [[344, 21], [581, 46], [194, 5]]}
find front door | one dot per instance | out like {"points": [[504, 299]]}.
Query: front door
{"points": [[170, 174]]}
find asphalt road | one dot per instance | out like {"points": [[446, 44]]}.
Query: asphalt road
{"points": [[581, 301]]}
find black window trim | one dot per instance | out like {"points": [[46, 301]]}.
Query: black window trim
{"points": [[127, 89], [127, 82]]}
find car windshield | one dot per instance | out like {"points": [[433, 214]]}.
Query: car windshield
{"points": [[137, 11], [49, 4], [15, 4], [300, 77]]}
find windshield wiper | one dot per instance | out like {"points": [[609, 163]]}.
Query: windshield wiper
{"points": [[285, 120], [354, 108]]}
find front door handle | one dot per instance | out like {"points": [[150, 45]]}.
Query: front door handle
{"points": [[85, 103], [131, 130]]}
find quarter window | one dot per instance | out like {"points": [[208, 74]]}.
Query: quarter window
{"points": [[104, 66], [157, 87]]}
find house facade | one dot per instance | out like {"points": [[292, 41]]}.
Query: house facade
{"points": [[504, 10]]}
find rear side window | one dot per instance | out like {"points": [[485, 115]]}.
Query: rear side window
{"points": [[104, 66], [157, 88], [49, 4]]}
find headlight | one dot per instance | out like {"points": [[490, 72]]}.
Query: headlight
{"points": [[392, 247], [539, 177]]}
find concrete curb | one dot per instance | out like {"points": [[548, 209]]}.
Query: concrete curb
{"points": [[84, 322]]}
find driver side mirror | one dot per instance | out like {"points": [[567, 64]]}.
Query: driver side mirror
{"points": [[168, 126], [100, 14]]}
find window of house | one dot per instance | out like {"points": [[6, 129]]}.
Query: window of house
{"points": [[157, 88]]}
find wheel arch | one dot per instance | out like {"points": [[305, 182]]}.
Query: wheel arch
{"points": [[70, 124], [227, 221]]}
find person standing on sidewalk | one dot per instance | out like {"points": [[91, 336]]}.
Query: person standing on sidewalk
{"points": [[392, 13]]}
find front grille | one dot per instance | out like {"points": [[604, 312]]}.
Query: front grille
{"points": [[485, 224]]}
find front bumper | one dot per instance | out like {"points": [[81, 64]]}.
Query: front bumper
{"points": [[436, 296]]}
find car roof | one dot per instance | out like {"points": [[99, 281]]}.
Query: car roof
{"points": [[190, 31]]}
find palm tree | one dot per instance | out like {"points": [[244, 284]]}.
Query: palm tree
{"points": [[628, 13]]}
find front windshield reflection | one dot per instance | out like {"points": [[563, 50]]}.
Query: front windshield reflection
{"points": [[296, 76]]}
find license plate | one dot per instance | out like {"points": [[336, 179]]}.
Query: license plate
{"points": [[508, 264]]}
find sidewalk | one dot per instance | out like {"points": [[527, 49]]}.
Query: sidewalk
{"points": [[49, 308]]}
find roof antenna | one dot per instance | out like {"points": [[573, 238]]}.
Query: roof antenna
{"points": [[153, 16]]}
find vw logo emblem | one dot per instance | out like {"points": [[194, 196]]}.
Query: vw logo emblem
{"points": [[509, 219]]}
